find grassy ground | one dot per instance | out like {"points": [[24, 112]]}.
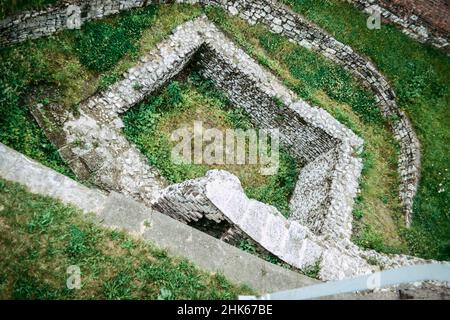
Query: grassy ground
{"points": [[151, 124], [40, 238], [420, 76]]}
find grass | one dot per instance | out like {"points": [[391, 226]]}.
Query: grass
{"points": [[40, 238], [150, 125], [419, 75]]}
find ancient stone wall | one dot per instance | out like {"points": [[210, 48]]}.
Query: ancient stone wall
{"points": [[425, 21], [92, 143], [320, 183], [36, 24], [279, 19], [303, 140], [306, 132], [119, 212]]}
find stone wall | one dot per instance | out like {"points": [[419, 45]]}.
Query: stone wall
{"points": [[308, 133], [91, 140], [92, 143], [320, 183], [304, 140], [36, 24], [279, 19], [425, 21]]}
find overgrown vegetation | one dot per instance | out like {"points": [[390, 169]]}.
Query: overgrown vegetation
{"points": [[151, 124], [100, 45], [53, 70], [40, 238]]}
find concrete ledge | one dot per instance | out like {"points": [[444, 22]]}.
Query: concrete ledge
{"points": [[120, 212]]}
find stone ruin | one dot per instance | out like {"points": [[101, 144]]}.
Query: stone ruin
{"points": [[279, 19], [318, 233]]}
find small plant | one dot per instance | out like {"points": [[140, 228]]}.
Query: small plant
{"points": [[278, 102], [107, 80], [239, 118], [78, 143], [118, 287], [165, 294], [312, 271], [127, 244], [77, 242], [137, 86], [358, 214], [246, 246], [40, 222], [394, 118], [174, 93]]}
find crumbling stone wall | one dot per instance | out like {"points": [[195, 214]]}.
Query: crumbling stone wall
{"points": [[36, 24], [279, 19], [92, 143], [425, 21], [304, 140], [324, 180], [91, 140]]}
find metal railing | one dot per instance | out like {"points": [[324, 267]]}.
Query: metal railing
{"points": [[418, 273]]}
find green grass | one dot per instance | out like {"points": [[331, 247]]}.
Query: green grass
{"points": [[40, 238], [150, 125], [100, 45], [420, 76]]}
